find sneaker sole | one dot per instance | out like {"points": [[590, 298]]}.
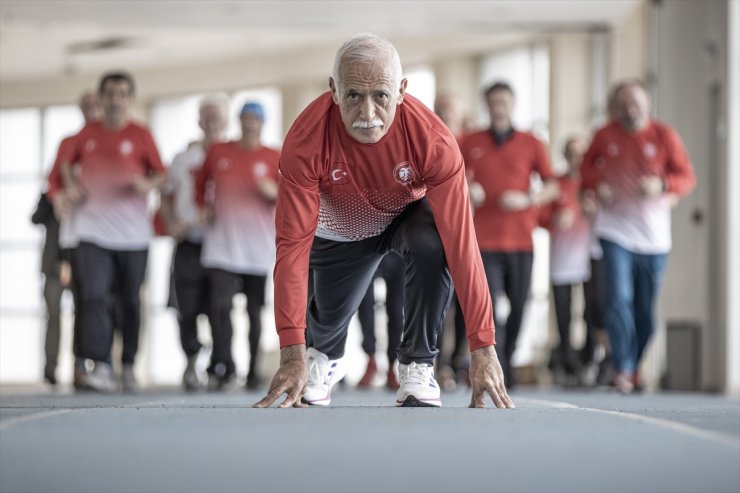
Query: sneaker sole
{"points": [[412, 401], [322, 403]]}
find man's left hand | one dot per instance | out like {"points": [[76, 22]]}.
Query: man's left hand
{"points": [[486, 376], [143, 186], [651, 186], [514, 200]]}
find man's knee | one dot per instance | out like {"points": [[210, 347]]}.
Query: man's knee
{"points": [[424, 244], [91, 297]]}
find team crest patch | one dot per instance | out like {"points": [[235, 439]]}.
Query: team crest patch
{"points": [[404, 173], [650, 150], [127, 147], [613, 150], [260, 170], [90, 145], [223, 164]]}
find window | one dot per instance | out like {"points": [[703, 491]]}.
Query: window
{"points": [[422, 85], [59, 122], [20, 289], [174, 124], [527, 70], [20, 134]]}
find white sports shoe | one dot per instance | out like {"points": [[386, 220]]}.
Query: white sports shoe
{"points": [[323, 373], [100, 379], [418, 386]]}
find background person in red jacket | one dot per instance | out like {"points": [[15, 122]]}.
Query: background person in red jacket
{"points": [[112, 165], [500, 163], [236, 189], [367, 169], [635, 169], [574, 260]]}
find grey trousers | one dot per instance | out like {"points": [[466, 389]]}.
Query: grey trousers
{"points": [[53, 290], [342, 272]]}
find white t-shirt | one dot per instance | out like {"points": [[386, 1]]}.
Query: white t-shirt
{"points": [[181, 184], [67, 235]]}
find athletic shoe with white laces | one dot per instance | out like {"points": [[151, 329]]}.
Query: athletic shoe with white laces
{"points": [[100, 379], [323, 373], [418, 386]]}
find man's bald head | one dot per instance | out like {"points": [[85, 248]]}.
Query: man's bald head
{"points": [[90, 106], [448, 108], [631, 105]]}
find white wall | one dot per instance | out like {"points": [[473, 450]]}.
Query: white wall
{"points": [[688, 73], [732, 185]]}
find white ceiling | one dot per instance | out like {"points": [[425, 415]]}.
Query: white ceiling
{"points": [[44, 39]]}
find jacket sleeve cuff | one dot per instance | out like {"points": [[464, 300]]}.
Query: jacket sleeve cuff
{"points": [[482, 338], [291, 336]]}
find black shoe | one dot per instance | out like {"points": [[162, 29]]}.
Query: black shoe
{"points": [[50, 376], [253, 381], [219, 377], [412, 401]]}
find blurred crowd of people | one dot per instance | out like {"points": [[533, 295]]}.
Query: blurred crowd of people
{"points": [[608, 216]]}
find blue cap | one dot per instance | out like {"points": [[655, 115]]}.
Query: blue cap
{"points": [[253, 108]]}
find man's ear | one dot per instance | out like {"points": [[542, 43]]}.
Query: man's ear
{"points": [[334, 92], [402, 90]]}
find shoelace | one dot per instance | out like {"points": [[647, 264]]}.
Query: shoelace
{"points": [[317, 371], [416, 374]]}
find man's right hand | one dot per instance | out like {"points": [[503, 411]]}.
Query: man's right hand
{"points": [[514, 200], [66, 199], [290, 379], [487, 377], [205, 215], [178, 230], [606, 193]]}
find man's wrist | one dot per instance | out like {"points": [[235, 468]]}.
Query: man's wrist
{"points": [[294, 352]]}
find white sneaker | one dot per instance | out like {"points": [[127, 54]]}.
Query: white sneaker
{"points": [[418, 386], [323, 373], [100, 379]]}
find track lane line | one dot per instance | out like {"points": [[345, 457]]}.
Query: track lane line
{"points": [[709, 435]]}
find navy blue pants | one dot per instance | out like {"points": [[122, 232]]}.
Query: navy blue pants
{"points": [[391, 270], [101, 273], [343, 271]]}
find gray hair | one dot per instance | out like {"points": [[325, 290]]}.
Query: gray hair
{"points": [[218, 99], [366, 48]]}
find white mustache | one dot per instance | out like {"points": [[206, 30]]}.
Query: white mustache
{"points": [[375, 122]]}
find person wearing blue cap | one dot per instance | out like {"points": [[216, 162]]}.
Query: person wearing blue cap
{"points": [[236, 190], [253, 108]]}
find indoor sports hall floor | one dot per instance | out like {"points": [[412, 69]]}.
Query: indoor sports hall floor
{"points": [[555, 441]]}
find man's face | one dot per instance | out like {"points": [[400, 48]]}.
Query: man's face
{"points": [[367, 96], [115, 97], [90, 107], [212, 121], [251, 125], [574, 154], [633, 107], [500, 108]]}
